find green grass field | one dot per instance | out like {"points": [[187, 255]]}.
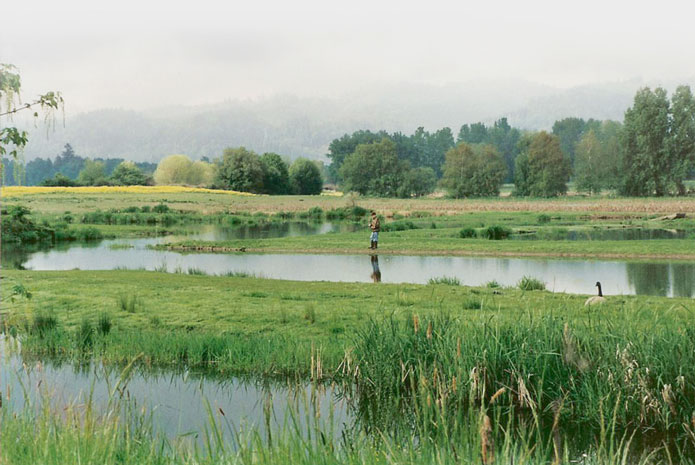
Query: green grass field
{"points": [[475, 375]]}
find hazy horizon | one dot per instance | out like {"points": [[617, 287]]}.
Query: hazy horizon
{"points": [[146, 55]]}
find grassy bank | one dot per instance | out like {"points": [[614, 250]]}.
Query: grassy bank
{"points": [[447, 241], [263, 326], [521, 375]]}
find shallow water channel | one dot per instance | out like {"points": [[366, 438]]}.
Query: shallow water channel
{"points": [[662, 278], [175, 400]]}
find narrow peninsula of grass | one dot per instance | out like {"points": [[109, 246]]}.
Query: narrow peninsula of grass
{"points": [[446, 241]]}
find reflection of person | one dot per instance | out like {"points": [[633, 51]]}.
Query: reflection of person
{"points": [[376, 272], [375, 226]]}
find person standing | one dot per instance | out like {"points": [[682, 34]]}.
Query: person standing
{"points": [[375, 226]]}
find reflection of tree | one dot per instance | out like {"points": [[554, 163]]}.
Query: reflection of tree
{"points": [[683, 279], [13, 257], [649, 278]]}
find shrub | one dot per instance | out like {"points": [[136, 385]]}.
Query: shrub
{"points": [[467, 233], [528, 283], [88, 234], [161, 208], [543, 219], [497, 233], [493, 284]]}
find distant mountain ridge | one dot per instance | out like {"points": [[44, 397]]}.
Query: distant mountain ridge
{"points": [[302, 126]]}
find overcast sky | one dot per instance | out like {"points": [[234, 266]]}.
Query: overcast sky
{"points": [[142, 54]]}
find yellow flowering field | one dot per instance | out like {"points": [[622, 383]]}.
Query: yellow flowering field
{"points": [[14, 191]]}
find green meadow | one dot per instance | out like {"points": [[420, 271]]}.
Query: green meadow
{"points": [[433, 373]]}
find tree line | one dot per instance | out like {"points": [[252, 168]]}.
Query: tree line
{"points": [[237, 169], [69, 169], [652, 152], [243, 170]]}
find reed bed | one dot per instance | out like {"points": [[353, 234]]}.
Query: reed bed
{"points": [[430, 374], [124, 433]]}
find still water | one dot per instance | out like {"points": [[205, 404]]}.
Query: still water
{"points": [[574, 276], [175, 400]]}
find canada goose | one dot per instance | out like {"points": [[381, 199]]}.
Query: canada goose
{"points": [[597, 299]]}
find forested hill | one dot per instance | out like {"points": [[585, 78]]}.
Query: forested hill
{"points": [[304, 126]]}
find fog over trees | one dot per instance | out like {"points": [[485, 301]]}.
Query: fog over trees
{"points": [[299, 126]]}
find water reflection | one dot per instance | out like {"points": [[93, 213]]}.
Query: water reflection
{"points": [[376, 272], [575, 276], [176, 400]]}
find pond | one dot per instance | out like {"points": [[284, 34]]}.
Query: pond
{"points": [[176, 400], [574, 276]]}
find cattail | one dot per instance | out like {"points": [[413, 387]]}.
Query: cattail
{"points": [[486, 443], [458, 347], [429, 330], [434, 378], [416, 324], [453, 384], [499, 392]]}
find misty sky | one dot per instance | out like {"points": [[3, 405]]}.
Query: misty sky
{"points": [[142, 54]]}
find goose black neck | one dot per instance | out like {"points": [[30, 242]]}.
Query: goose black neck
{"points": [[600, 293]]}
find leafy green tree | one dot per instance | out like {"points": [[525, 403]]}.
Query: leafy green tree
{"points": [[682, 135], [173, 170], [92, 174], [609, 135], [570, 131], [647, 163], [505, 139], [374, 169], [59, 180], [541, 169], [276, 177], [473, 171], [476, 133], [202, 174], [305, 177], [597, 158], [501, 135], [68, 163], [418, 182], [240, 170], [588, 173], [339, 149], [11, 138], [128, 174]]}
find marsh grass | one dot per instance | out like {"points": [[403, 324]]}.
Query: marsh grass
{"points": [[104, 324], [44, 322], [528, 283], [448, 280], [118, 430], [310, 313], [473, 303], [435, 373], [129, 302]]}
